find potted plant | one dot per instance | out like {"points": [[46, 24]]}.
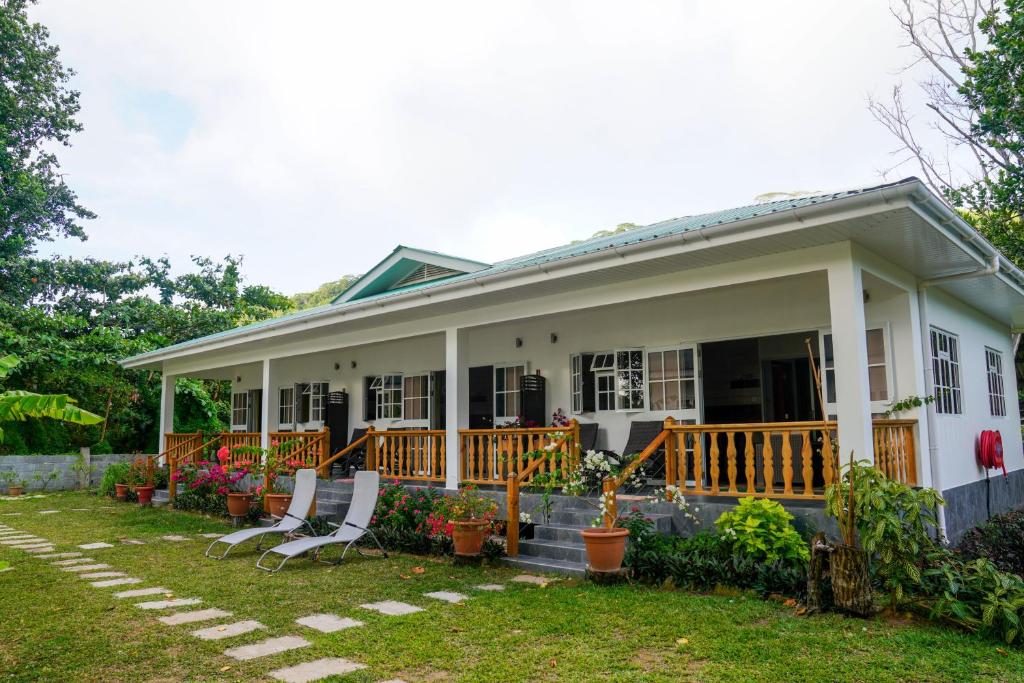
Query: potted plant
{"points": [[471, 515], [8, 477], [240, 495], [141, 479], [277, 463]]}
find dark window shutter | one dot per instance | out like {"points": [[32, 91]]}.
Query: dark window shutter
{"points": [[437, 399], [302, 403], [369, 400], [589, 393]]}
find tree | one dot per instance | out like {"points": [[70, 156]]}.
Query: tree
{"points": [[37, 112], [324, 294], [19, 405]]}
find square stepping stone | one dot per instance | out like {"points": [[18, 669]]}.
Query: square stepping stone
{"points": [[132, 541], [392, 608], [531, 578], [228, 630], [68, 563], [95, 546], [213, 535], [192, 617], [85, 568], [447, 596], [174, 538], [109, 583], [328, 623], [142, 592], [316, 670], [102, 575], [265, 648], [490, 587], [54, 556], [167, 604]]}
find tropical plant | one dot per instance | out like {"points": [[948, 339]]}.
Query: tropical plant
{"points": [[893, 521], [546, 483], [8, 477], [44, 480], [762, 529], [83, 469], [907, 403], [116, 473], [468, 504], [1000, 540], [18, 405]]}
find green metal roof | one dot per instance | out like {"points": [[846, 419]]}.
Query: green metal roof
{"points": [[667, 228]]}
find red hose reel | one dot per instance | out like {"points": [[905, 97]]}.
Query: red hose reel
{"points": [[990, 450]]}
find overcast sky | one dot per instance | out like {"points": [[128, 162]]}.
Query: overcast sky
{"points": [[313, 137]]}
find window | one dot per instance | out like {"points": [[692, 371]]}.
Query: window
{"points": [[416, 397], [318, 401], [946, 372], [506, 392], [996, 397], [629, 377], [604, 386], [286, 407], [576, 382], [388, 389], [603, 361], [878, 366], [670, 380], [239, 411]]}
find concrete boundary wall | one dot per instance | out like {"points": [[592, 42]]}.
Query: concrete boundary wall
{"points": [[28, 466]]}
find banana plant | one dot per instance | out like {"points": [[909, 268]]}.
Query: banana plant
{"points": [[18, 405]]}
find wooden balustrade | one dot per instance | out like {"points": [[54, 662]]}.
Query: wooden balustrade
{"points": [[311, 448], [176, 444], [895, 452], [490, 456], [417, 454]]}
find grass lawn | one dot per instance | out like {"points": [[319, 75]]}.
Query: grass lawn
{"points": [[55, 626]]}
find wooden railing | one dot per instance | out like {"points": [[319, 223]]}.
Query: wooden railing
{"points": [[408, 454], [176, 444], [895, 452], [513, 483], [490, 456], [324, 469], [190, 457], [312, 448], [235, 440]]}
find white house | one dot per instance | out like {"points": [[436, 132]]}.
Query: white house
{"points": [[704, 319]]}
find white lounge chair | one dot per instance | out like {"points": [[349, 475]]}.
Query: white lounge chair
{"points": [[355, 526], [302, 500]]}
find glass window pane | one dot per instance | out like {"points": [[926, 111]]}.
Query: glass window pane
{"points": [[830, 386], [689, 395], [655, 361], [672, 398], [687, 356], [876, 347], [877, 383]]}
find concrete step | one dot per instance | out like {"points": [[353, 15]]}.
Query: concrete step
{"points": [[558, 533], [538, 564], [552, 550]]}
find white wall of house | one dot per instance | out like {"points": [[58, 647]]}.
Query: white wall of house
{"points": [[957, 434]]}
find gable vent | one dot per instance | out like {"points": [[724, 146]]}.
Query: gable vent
{"points": [[424, 273]]}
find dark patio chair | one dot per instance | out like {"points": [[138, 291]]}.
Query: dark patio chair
{"points": [[588, 436], [356, 458]]}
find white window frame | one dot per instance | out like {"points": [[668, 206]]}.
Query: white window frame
{"points": [[619, 383], [611, 391], [682, 412], [996, 383], [831, 407], [428, 380], [394, 392], [242, 410], [946, 375], [498, 417], [576, 383], [283, 405], [318, 402], [602, 361]]}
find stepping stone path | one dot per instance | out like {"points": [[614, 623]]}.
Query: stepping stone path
{"points": [[271, 646], [328, 623], [228, 630], [48, 512], [40, 549], [174, 538], [490, 587], [446, 596], [35, 546], [68, 563], [102, 575], [392, 608], [114, 582], [192, 617], [20, 539], [132, 541], [85, 568], [142, 592], [167, 604], [531, 578], [53, 556], [95, 546], [316, 670], [213, 535]]}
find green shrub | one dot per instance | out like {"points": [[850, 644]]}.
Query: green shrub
{"points": [[101, 448], [1000, 540], [761, 529], [116, 473]]}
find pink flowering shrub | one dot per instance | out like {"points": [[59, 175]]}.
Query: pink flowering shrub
{"points": [[205, 488]]}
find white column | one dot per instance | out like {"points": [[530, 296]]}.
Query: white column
{"points": [[922, 386], [849, 343], [265, 406], [166, 409], [456, 408]]}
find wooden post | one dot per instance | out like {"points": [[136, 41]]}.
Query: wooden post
{"points": [[512, 523], [172, 486], [574, 451], [670, 457], [324, 451], [611, 512], [371, 449], [149, 470]]}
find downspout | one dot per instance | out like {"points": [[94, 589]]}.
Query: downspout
{"points": [[929, 378]]}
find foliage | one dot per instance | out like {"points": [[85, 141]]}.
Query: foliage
{"points": [[324, 294], [44, 480], [907, 403], [205, 488], [761, 529], [705, 562], [893, 523], [467, 504], [1000, 540], [546, 483], [18, 406], [116, 473], [595, 467]]}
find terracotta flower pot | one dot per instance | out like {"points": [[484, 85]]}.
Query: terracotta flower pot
{"points": [[605, 548], [277, 503], [14, 490], [469, 537], [122, 491], [239, 504], [145, 494]]}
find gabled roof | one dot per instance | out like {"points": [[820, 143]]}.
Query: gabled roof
{"points": [[406, 268]]}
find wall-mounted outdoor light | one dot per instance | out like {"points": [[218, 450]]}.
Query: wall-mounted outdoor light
{"points": [[353, 365], [554, 337], [337, 366], [238, 379], [519, 342]]}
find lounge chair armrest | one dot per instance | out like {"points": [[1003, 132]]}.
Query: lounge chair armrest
{"points": [[304, 523], [356, 526]]}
